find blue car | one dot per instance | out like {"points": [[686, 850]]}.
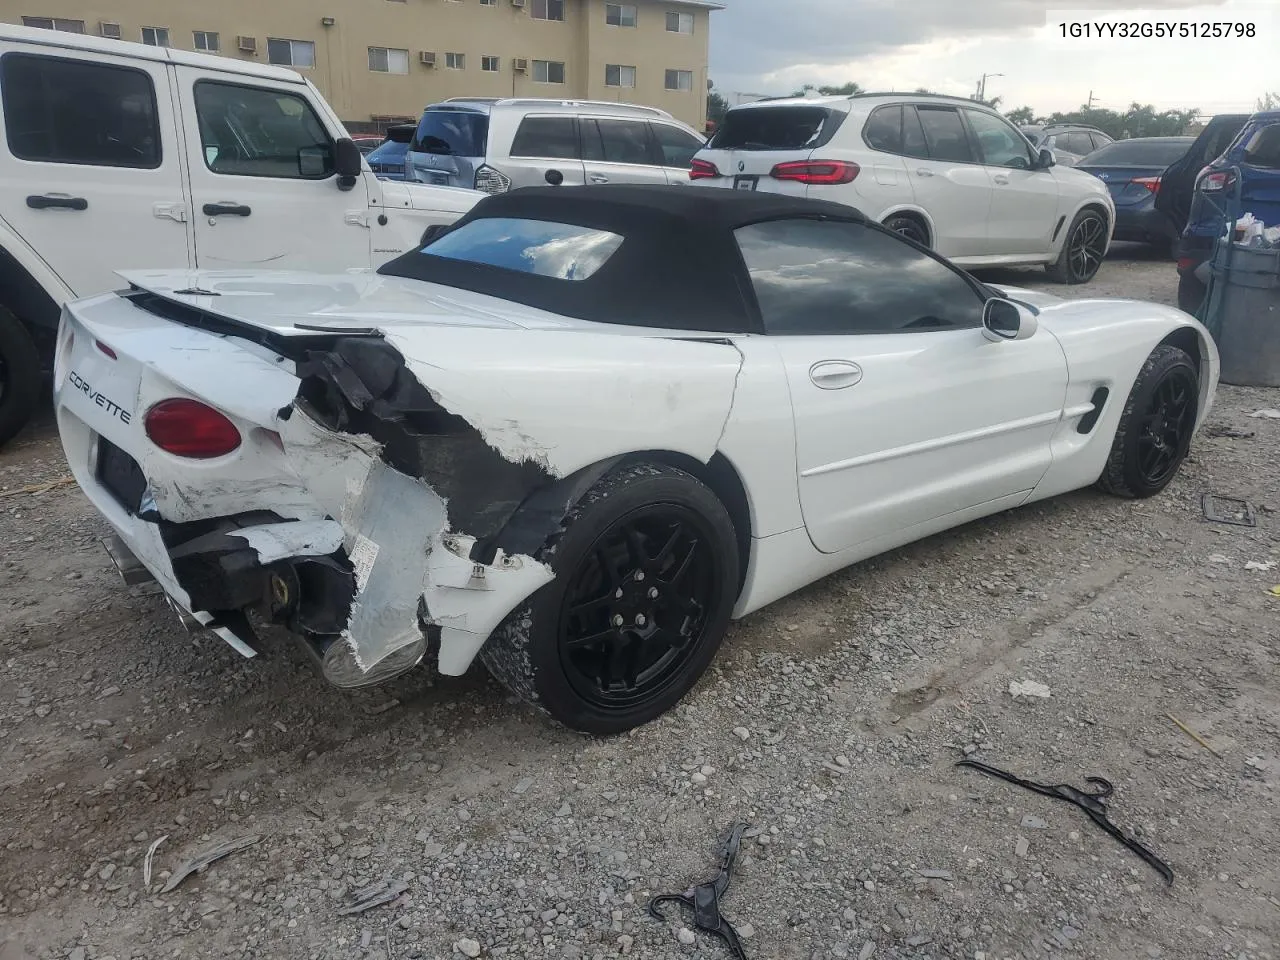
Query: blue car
{"points": [[1255, 152], [1131, 170], [387, 159]]}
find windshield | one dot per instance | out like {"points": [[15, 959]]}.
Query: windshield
{"points": [[1159, 152], [389, 152], [454, 133], [775, 128]]}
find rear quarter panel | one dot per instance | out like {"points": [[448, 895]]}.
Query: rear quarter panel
{"points": [[1106, 343]]}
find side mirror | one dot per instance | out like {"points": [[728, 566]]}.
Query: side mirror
{"points": [[1005, 320], [1046, 159], [347, 163], [315, 163], [555, 178]]}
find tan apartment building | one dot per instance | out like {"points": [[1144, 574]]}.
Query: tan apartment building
{"points": [[383, 61]]}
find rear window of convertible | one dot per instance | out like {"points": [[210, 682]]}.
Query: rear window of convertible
{"points": [[544, 248]]}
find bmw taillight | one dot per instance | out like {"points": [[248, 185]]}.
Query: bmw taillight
{"points": [[491, 181], [191, 429], [703, 170], [816, 172], [1215, 182], [1151, 183]]}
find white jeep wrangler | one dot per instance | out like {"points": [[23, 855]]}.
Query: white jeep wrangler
{"points": [[118, 155]]}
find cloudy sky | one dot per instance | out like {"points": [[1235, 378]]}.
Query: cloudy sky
{"points": [[775, 46]]}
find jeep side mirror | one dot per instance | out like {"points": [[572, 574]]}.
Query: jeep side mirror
{"points": [[347, 160]]}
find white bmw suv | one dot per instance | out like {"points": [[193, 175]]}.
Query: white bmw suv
{"points": [[949, 173]]}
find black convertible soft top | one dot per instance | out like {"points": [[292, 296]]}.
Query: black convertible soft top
{"points": [[678, 266]]}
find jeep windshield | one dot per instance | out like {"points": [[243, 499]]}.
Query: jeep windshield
{"points": [[453, 133]]}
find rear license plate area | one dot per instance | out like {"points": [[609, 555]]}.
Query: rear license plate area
{"points": [[745, 183], [120, 475]]}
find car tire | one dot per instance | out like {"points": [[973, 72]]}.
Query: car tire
{"points": [[20, 376], [1155, 430], [620, 635], [909, 227], [1082, 249], [1191, 293]]}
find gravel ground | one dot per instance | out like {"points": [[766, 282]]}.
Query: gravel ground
{"points": [[830, 725]]}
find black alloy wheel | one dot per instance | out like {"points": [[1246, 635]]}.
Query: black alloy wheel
{"points": [[909, 227], [1083, 250], [636, 606], [1166, 426], [646, 567], [1156, 426]]}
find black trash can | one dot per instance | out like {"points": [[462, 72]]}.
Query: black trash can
{"points": [[1247, 325]]}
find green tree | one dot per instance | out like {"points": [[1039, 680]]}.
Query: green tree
{"points": [[1022, 116], [1269, 101], [717, 105], [849, 89], [1140, 120]]}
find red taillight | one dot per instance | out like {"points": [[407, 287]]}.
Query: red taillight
{"points": [[1151, 183], [703, 170], [816, 172], [1186, 263], [1213, 182], [105, 349], [189, 428]]}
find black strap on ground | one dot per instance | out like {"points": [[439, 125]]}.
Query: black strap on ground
{"points": [[1092, 801], [704, 899]]}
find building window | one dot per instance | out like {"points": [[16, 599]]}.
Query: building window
{"points": [[548, 9], [620, 14], [616, 75], [155, 36], [291, 53], [455, 61], [488, 3], [679, 22], [54, 23], [388, 60], [206, 41], [490, 64], [548, 71], [679, 80]]}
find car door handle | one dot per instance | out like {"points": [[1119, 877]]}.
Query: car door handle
{"points": [[835, 374], [43, 202], [596, 178], [220, 209], [922, 172], [1001, 179]]}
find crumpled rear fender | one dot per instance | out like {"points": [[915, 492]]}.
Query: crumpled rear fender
{"points": [[426, 450]]}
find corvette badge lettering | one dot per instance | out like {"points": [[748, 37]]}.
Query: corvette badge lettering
{"points": [[110, 406]]}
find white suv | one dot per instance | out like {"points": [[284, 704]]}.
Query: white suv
{"points": [[949, 173]]}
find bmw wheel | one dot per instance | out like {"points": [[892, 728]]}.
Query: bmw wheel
{"points": [[909, 227], [1082, 250]]}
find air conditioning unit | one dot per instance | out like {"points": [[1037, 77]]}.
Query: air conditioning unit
{"points": [[427, 58], [520, 65], [247, 44], [109, 30], [517, 3]]}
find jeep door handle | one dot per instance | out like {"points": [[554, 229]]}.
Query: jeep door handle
{"points": [[835, 374], [221, 209], [44, 202]]}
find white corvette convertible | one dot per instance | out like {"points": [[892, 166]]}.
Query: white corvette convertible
{"points": [[580, 430]]}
